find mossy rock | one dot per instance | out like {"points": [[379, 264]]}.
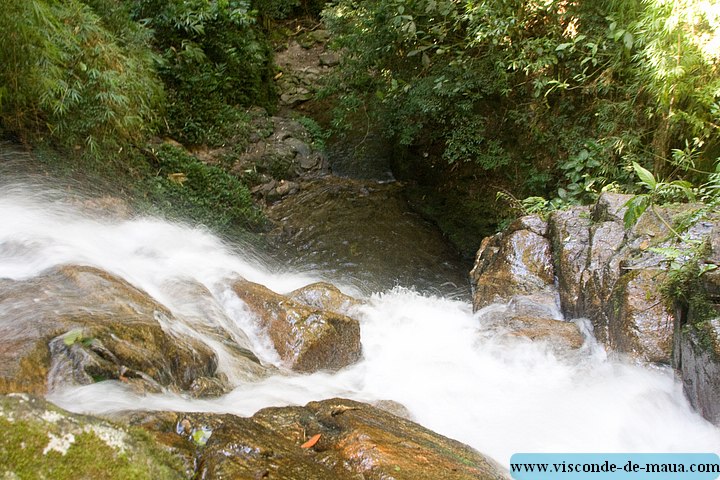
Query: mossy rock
{"points": [[42, 441]]}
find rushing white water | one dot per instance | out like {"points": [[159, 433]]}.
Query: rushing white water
{"points": [[432, 355]]}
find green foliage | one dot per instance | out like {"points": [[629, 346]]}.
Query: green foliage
{"points": [[658, 192], [573, 91], [276, 9], [318, 135], [66, 70], [214, 58], [685, 289], [186, 188]]}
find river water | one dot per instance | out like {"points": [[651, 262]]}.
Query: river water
{"points": [[430, 353]]}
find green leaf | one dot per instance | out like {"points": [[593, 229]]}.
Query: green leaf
{"points": [[636, 206], [628, 40], [73, 336], [200, 436], [645, 176]]}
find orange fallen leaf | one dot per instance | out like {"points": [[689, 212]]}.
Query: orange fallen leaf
{"points": [[310, 443]]}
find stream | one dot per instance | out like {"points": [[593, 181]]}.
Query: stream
{"points": [[422, 347]]}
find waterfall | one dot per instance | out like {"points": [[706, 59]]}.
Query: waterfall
{"points": [[431, 354]]}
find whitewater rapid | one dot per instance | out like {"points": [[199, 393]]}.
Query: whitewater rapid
{"points": [[431, 354]]}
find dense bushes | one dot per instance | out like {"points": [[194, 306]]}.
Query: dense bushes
{"points": [[214, 59], [562, 95], [95, 80], [184, 187], [64, 72], [100, 73]]}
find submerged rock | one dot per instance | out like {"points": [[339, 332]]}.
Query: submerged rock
{"points": [[78, 325], [307, 339], [558, 334]]}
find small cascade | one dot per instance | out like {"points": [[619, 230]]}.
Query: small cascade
{"points": [[454, 371]]}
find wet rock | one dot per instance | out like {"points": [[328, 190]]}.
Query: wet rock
{"points": [[601, 273], [700, 367], [570, 237], [325, 296], [40, 440], [518, 263], [640, 323], [610, 207], [396, 408], [197, 308], [306, 339], [362, 232], [532, 223], [533, 317], [538, 305], [614, 276], [78, 325], [355, 441]]}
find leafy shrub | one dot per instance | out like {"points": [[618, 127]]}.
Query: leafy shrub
{"points": [[577, 91], [63, 71], [186, 188], [214, 58]]}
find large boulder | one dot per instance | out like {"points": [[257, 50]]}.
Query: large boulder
{"points": [[616, 277], [307, 339], [333, 439], [641, 324], [570, 236], [77, 325], [699, 351], [198, 309], [515, 262]]}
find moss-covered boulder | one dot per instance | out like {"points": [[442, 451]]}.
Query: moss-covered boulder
{"points": [[77, 325], [306, 339], [40, 440]]}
